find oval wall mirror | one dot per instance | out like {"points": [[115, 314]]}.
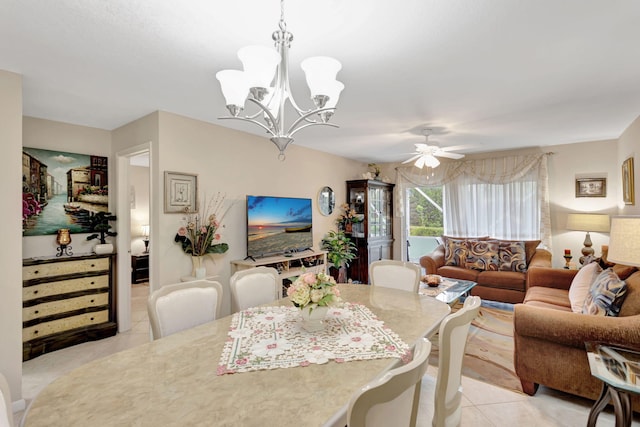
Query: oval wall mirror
{"points": [[326, 201]]}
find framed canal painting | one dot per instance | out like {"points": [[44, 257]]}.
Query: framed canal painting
{"points": [[61, 190]]}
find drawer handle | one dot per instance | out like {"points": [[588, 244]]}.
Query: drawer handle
{"points": [[37, 311], [35, 332], [92, 319], [93, 265], [93, 283], [92, 300], [36, 272], [35, 292]]}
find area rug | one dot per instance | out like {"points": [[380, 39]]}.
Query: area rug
{"points": [[489, 351]]}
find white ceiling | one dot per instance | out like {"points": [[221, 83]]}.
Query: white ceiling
{"points": [[491, 74]]}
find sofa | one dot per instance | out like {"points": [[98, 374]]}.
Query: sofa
{"points": [[549, 338], [499, 267]]}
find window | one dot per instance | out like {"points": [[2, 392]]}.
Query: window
{"points": [[424, 220]]}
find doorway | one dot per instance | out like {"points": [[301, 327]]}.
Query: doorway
{"points": [[134, 203]]}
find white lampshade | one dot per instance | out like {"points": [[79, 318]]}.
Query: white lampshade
{"points": [[234, 85], [321, 72], [588, 222], [429, 161], [145, 231], [259, 63], [334, 94], [624, 241]]}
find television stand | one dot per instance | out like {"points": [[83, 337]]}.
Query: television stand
{"points": [[292, 265]]}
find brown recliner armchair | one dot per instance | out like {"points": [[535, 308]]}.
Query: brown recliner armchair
{"points": [[550, 339]]}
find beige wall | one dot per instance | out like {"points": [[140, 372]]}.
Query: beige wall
{"points": [[582, 160], [10, 229], [629, 146], [238, 164]]}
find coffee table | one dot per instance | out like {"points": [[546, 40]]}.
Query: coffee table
{"points": [[449, 291], [619, 371]]}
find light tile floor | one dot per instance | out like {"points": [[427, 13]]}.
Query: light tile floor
{"points": [[483, 405]]}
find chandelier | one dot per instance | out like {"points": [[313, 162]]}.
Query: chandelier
{"points": [[265, 83]]}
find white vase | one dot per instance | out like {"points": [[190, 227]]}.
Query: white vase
{"points": [[313, 318], [199, 271], [105, 248]]}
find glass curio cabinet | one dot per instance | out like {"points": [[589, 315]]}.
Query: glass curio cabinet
{"points": [[373, 235]]}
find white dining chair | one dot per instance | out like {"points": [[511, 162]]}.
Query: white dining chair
{"points": [[6, 410], [452, 339], [395, 274], [174, 308], [253, 287], [392, 399]]}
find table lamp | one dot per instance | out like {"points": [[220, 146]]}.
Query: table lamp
{"points": [[145, 238], [588, 223], [624, 241]]}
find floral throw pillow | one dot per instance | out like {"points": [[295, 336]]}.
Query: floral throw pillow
{"points": [[581, 285], [483, 255], [455, 252], [606, 295], [513, 256]]}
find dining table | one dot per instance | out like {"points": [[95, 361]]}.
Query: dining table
{"points": [[177, 381]]}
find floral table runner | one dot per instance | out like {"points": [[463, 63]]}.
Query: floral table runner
{"points": [[273, 337]]}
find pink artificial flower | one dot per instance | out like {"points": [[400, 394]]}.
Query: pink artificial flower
{"points": [[309, 278], [216, 236], [203, 229], [182, 231]]}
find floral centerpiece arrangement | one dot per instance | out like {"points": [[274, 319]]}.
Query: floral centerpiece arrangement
{"points": [[200, 234], [311, 290]]}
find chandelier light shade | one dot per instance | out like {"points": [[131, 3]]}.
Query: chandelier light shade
{"points": [[588, 222], [264, 81], [624, 241]]}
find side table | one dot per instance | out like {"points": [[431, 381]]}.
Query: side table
{"points": [[619, 371]]}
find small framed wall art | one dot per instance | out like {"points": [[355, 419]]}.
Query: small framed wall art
{"points": [[591, 187], [180, 192], [628, 192]]}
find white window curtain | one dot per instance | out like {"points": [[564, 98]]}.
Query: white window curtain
{"points": [[502, 197]]}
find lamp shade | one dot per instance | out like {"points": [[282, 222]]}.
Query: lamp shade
{"points": [[320, 72], [259, 63], [234, 85], [334, 94], [588, 222], [624, 241], [145, 231]]}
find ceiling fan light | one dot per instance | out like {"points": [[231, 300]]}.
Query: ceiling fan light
{"points": [[259, 63], [320, 72], [431, 161], [234, 87]]}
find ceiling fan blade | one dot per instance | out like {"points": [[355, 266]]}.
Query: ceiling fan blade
{"points": [[440, 153], [420, 162], [420, 147], [456, 147]]}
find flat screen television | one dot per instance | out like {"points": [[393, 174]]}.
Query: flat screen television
{"points": [[277, 225]]}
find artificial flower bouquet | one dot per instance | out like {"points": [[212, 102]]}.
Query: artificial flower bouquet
{"points": [[314, 290], [199, 233]]}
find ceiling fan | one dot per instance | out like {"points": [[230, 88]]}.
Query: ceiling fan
{"points": [[425, 154]]}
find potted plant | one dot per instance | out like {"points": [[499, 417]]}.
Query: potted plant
{"points": [[99, 224], [340, 252]]}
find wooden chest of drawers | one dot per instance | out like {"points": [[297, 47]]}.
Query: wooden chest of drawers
{"points": [[66, 301]]}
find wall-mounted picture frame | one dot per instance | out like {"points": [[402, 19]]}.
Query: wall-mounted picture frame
{"points": [[180, 192], [62, 190], [591, 187], [628, 191]]}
